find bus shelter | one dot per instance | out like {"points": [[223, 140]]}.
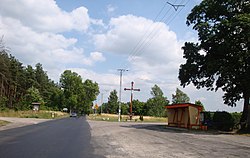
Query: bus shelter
{"points": [[184, 115]]}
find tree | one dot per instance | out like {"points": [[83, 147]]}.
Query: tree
{"points": [[222, 59], [91, 91], [73, 89], [179, 97], [112, 102], [137, 107], [156, 106], [198, 102], [33, 95]]}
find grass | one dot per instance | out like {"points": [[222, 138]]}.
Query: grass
{"points": [[3, 123], [42, 114], [124, 118]]}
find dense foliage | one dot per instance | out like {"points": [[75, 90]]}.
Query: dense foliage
{"points": [[180, 97], [21, 85], [221, 59], [154, 106], [223, 121]]}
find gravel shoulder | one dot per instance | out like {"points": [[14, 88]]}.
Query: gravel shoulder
{"points": [[147, 140], [19, 122]]}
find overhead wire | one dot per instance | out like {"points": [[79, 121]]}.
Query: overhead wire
{"points": [[147, 33], [148, 37], [167, 23]]}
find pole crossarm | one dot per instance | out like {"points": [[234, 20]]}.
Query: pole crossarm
{"points": [[131, 98], [176, 6]]}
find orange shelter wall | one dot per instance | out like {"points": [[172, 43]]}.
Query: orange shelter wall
{"points": [[178, 117]]}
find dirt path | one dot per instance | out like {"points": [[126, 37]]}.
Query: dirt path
{"points": [[19, 122], [144, 140]]}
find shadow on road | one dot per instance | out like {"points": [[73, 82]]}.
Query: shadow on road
{"points": [[165, 128]]}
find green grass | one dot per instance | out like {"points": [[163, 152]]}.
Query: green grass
{"points": [[124, 118], [42, 114], [3, 123]]}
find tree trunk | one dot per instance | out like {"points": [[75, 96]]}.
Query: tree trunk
{"points": [[245, 118]]}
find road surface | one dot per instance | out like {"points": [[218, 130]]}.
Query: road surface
{"points": [[145, 140], [76, 138], [64, 138]]}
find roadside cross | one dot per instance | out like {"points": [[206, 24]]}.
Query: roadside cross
{"points": [[131, 98]]}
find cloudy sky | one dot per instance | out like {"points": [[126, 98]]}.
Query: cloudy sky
{"points": [[95, 38]]}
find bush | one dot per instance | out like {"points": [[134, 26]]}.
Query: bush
{"points": [[236, 116], [223, 121], [3, 103]]}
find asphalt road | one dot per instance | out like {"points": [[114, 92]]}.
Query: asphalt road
{"points": [[154, 140], [64, 138]]}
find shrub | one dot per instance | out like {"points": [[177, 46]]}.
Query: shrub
{"points": [[223, 121], [236, 116], [3, 103]]}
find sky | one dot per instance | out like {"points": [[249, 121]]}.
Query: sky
{"points": [[95, 38]]}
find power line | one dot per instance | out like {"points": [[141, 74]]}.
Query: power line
{"points": [[175, 6], [148, 40], [147, 34]]}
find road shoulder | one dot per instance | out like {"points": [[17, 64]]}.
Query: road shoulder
{"points": [[19, 122]]}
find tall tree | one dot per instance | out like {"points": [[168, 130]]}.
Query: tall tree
{"points": [[112, 102], [78, 95], [72, 86], [155, 106], [224, 62], [179, 97], [89, 94]]}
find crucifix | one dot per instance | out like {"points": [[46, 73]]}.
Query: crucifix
{"points": [[131, 98]]}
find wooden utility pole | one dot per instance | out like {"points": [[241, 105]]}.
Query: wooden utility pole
{"points": [[131, 98]]}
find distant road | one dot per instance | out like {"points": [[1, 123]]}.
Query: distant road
{"points": [[64, 138]]}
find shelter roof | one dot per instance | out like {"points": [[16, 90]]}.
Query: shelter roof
{"points": [[181, 105]]}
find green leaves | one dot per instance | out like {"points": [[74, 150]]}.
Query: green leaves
{"points": [[79, 95], [180, 97], [155, 106], [224, 32], [224, 29], [112, 106]]}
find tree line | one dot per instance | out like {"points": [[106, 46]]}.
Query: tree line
{"points": [[154, 106], [21, 85]]}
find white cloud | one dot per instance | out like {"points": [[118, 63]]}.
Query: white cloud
{"points": [[157, 62], [97, 56], [31, 29], [160, 55], [141, 39], [45, 15], [111, 8], [97, 22]]}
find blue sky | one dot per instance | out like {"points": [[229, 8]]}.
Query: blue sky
{"points": [[95, 38]]}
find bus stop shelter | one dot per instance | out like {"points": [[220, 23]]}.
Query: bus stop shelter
{"points": [[185, 115]]}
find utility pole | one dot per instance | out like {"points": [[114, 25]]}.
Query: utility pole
{"points": [[176, 6], [101, 102], [120, 95], [102, 98], [131, 98]]}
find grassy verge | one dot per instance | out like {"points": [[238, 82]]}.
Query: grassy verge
{"points": [[3, 123], [124, 118], [34, 114]]}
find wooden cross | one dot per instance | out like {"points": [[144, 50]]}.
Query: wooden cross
{"points": [[131, 98]]}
